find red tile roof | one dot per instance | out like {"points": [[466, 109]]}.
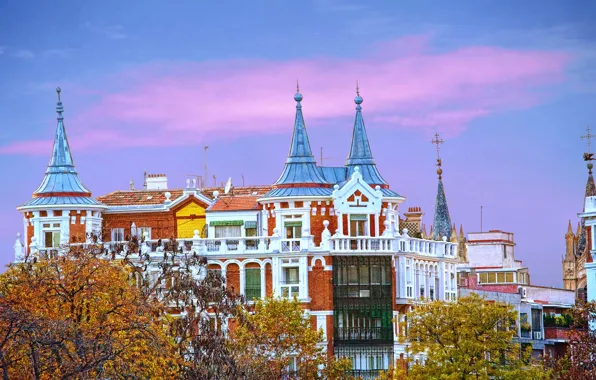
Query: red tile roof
{"points": [[235, 203], [154, 197]]}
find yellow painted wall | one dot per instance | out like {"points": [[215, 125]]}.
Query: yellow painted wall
{"points": [[187, 227]]}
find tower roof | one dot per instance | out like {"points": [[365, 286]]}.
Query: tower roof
{"points": [[61, 183], [442, 220], [301, 167], [360, 153]]}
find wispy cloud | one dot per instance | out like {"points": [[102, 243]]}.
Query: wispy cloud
{"points": [[2, 49], [24, 53], [405, 84], [112, 31]]}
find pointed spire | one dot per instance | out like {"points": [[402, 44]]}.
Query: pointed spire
{"points": [[300, 165], [61, 175], [569, 229], [431, 233], [442, 220], [360, 153], [461, 231]]}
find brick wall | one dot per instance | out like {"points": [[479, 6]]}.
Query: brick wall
{"points": [[320, 288], [233, 278], [316, 221], [163, 224]]}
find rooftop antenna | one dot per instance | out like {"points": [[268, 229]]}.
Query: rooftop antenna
{"points": [[322, 156], [205, 161], [145, 180], [214, 181], [242, 175], [481, 207]]}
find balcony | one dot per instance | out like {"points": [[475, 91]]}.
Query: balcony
{"points": [[557, 333], [359, 334], [265, 245]]}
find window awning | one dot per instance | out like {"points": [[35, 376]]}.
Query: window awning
{"points": [[250, 224], [358, 217], [219, 223], [293, 224]]}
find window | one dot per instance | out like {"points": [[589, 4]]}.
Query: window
{"points": [[536, 320], [252, 285], [292, 365], [293, 230], [504, 251], [228, 231], [144, 232], [358, 225], [291, 275], [52, 239], [117, 234]]}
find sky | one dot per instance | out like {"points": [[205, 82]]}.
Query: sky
{"points": [[509, 86]]}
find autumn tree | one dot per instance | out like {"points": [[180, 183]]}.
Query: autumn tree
{"points": [[580, 361], [470, 338], [275, 340], [77, 315]]}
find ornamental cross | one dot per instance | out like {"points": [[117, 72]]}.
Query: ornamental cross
{"points": [[589, 138], [437, 141]]}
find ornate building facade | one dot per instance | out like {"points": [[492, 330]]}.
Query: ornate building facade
{"points": [[330, 236], [578, 246]]}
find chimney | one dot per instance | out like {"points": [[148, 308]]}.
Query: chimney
{"points": [[157, 182], [414, 218]]}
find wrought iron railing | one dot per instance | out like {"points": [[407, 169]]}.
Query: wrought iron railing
{"points": [[363, 333]]}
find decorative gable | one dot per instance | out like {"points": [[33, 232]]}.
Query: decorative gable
{"points": [[357, 197]]}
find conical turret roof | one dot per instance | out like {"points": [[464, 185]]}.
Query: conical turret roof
{"points": [[61, 183], [360, 153]]}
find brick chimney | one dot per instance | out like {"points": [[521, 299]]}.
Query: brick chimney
{"points": [[413, 221], [157, 182]]}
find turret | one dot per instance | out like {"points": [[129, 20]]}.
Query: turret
{"points": [[61, 207]]}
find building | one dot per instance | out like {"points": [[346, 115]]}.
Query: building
{"points": [[579, 245], [330, 236], [586, 273], [493, 272]]}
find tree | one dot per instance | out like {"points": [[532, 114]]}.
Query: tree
{"points": [[470, 338], [580, 361], [77, 315], [276, 332]]}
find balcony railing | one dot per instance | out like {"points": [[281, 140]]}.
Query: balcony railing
{"points": [[363, 334], [252, 291], [336, 244]]}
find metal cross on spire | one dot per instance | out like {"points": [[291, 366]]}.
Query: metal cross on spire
{"points": [[588, 137], [437, 141]]}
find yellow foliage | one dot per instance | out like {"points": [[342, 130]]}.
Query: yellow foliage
{"points": [[84, 319]]}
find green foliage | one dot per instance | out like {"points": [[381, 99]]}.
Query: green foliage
{"points": [[469, 338]]}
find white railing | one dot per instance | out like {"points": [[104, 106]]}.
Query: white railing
{"points": [[336, 244]]}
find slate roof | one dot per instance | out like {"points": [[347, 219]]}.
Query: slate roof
{"points": [[235, 203], [300, 167], [360, 153], [61, 184], [442, 220]]}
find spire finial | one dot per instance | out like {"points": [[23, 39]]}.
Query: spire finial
{"points": [[298, 96], [358, 98], [588, 156], [59, 108], [437, 141]]}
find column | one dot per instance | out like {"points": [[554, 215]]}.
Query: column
{"points": [[242, 279], [263, 280]]}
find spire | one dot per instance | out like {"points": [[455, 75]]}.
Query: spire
{"points": [[61, 175], [569, 229], [360, 153], [461, 231], [300, 165], [442, 220]]}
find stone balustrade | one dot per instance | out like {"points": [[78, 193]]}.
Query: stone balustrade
{"points": [[267, 245]]}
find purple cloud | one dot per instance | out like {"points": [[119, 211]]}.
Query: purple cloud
{"points": [[405, 84]]}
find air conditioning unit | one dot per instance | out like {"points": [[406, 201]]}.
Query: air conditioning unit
{"points": [[538, 335], [523, 291]]}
